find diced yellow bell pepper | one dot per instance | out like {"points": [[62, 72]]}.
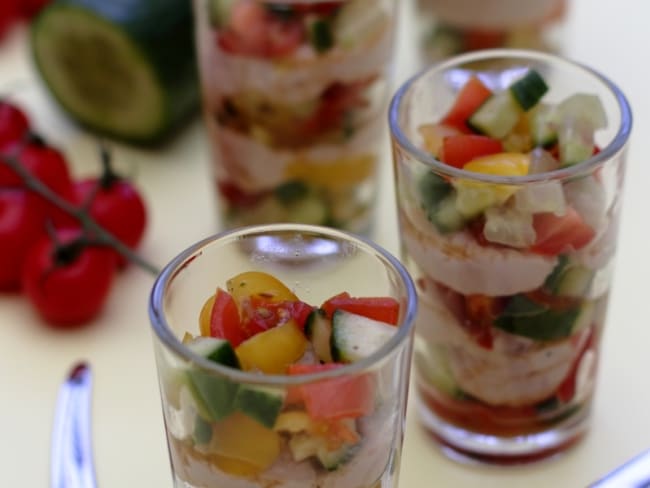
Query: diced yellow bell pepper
{"points": [[434, 135], [332, 174], [242, 446], [293, 421], [474, 196], [502, 164], [204, 316], [273, 350], [252, 283]]}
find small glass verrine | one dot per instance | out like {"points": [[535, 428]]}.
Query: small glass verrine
{"points": [[294, 98], [512, 249], [337, 426]]}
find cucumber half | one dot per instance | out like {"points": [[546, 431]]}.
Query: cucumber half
{"points": [[127, 71], [355, 337]]}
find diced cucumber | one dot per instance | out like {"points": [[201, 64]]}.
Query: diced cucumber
{"points": [[497, 116], [433, 367], [569, 278], [332, 460], [202, 431], [219, 12], [318, 330], [215, 349], [125, 69], [304, 446], [260, 403], [358, 21], [446, 216], [585, 317], [527, 318], [432, 188], [301, 204], [355, 337], [215, 393], [529, 89], [543, 130], [320, 35]]}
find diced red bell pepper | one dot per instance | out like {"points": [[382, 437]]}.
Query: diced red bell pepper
{"points": [[470, 97], [336, 398], [462, 148], [384, 309], [224, 319], [557, 233]]}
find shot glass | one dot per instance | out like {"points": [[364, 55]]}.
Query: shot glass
{"points": [[450, 27], [294, 102], [508, 222], [294, 412]]}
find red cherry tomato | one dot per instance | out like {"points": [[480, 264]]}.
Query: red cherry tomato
{"points": [[22, 222], [68, 285], [260, 314], [8, 15], [384, 309], [224, 319], [117, 206], [46, 164], [14, 124]]}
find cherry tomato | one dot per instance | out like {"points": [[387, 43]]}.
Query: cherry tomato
{"points": [[224, 319], [260, 314], [22, 222], [14, 124], [117, 206], [384, 309], [8, 15], [46, 164], [66, 282], [29, 8]]}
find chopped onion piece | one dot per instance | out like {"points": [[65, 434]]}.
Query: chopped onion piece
{"points": [[541, 197], [542, 161], [509, 226], [587, 196]]}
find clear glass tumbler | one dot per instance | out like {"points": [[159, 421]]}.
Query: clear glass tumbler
{"points": [[512, 251], [336, 427], [450, 27], [294, 100]]}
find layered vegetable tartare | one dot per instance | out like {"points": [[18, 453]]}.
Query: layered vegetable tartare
{"points": [[512, 254], [294, 94], [340, 431]]}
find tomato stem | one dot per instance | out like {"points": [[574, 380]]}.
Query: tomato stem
{"points": [[102, 236]]}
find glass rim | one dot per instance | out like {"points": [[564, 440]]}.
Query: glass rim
{"points": [[165, 334], [608, 152]]}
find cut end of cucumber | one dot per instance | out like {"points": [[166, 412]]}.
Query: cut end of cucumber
{"points": [[98, 74]]}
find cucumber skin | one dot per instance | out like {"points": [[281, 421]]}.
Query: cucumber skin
{"points": [[163, 31]]}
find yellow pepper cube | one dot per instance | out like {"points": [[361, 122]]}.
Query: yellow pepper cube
{"points": [[258, 283], [273, 350]]}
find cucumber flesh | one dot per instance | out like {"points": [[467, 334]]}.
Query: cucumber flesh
{"points": [[446, 216], [260, 403], [497, 116], [318, 330], [219, 12], [529, 89], [543, 130], [126, 71], [355, 337]]}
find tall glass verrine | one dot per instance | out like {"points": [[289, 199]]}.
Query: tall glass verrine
{"points": [[294, 100], [297, 424], [509, 169]]}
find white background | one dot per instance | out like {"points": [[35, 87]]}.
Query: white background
{"points": [[612, 37]]}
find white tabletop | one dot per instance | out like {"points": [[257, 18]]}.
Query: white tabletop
{"points": [[127, 422]]}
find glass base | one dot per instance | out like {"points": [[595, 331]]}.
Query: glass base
{"points": [[473, 447]]}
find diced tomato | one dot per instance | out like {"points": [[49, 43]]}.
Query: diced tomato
{"points": [[475, 39], [480, 313], [384, 309], [224, 319], [260, 314], [567, 388], [336, 398], [284, 37], [470, 97], [238, 197], [460, 149], [556, 234]]}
